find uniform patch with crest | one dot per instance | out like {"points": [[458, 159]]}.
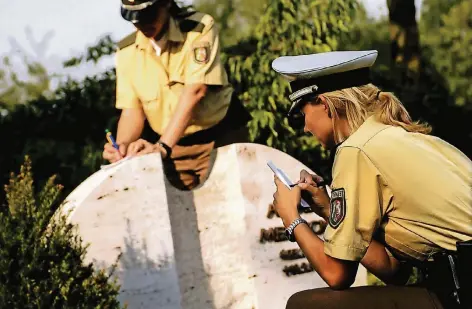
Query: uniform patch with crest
{"points": [[337, 207], [201, 53]]}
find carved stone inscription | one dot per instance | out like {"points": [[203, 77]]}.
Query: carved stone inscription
{"points": [[277, 234]]}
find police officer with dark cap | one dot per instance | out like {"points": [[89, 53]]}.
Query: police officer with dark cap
{"points": [[169, 72], [399, 197]]}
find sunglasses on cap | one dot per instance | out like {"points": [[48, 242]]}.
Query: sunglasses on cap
{"points": [[145, 16], [296, 118]]}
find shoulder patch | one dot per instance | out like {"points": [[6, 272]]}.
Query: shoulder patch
{"points": [[127, 41], [337, 207], [188, 25], [201, 52]]}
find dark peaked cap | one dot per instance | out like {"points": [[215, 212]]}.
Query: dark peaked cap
{"points": [[134, 10], [310, 75]]}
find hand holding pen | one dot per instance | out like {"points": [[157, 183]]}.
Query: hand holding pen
{"points": [[309, 179], [314, 192], [112, 151]]}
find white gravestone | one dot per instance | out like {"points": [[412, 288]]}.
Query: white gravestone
{"points": [[218, 246]]}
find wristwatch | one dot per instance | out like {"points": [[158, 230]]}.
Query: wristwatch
{"points": [[289, 230], [166, 148]]}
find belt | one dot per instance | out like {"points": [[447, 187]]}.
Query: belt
{"points": [[448, 275]]}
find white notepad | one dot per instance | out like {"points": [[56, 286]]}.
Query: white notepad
{"points": [[284, 178], [108, 166]]}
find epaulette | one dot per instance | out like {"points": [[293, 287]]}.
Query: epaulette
{"points": [[188, 25], [127, 41]]}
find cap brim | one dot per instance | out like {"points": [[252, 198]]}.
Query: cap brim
{"points": [[132, 16], [294, 108]]}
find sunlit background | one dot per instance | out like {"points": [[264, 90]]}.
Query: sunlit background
{"points": [[53, 31], [52, 117]]}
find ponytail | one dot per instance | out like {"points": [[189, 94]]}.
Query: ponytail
{"points": [[390, 110], [358, 103]]}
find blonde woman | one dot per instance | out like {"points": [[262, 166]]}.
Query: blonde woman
{"points": [[399, 197]]}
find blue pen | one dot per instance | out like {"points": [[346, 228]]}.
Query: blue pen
{"points": [[111, 139]]}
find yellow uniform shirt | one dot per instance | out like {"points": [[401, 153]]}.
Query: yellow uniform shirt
{"points": [[413, 191], [155, 83]]}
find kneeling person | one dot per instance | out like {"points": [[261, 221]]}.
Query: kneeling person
{"points": [[400, 197]]}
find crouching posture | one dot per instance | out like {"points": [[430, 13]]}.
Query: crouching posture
{"points": [[399, 197]]}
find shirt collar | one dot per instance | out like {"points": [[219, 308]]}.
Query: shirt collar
{"points": [[174, 33]]}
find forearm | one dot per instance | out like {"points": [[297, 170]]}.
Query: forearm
{"points": [[383, 266], [189, 99], [179, 122], [336, 274], [130, 126]]}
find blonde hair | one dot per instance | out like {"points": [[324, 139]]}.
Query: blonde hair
{"points": [[356, 104]]}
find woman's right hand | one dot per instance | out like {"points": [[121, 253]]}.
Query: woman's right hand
{"points": [[111, 154], [319, 199]]}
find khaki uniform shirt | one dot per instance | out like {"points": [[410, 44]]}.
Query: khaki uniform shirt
{"points": [[413, 191], [155, 83]]}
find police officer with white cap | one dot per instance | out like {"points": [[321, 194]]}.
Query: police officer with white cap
{"points": [[400, 198]]}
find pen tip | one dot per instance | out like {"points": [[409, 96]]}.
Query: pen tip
{"points": [[106, 130]]}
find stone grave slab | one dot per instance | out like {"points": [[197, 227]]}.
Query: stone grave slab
{"points": [[218, 246]]}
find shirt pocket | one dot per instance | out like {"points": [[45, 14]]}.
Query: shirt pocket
{"points": [[149, 95], [176, 86], [147, 85]]}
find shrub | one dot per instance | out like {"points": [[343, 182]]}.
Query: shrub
{"points": [[41, 260]]}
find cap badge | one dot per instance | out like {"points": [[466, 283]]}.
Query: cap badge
{"points": [[304, 91]]}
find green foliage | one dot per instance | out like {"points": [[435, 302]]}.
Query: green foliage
{"points": [[235, 18], [431, 13], [41, 259], [447, 45], [14, 90], [286, 28], [368, 33], [63, 135], [104, 47]]}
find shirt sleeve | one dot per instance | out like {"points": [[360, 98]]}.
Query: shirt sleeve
{"points": [[355, 207], [204, 62], [125, 94]]}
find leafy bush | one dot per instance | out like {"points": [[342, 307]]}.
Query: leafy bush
{"points": [[41, 259], [286, 28], [447, 43]]}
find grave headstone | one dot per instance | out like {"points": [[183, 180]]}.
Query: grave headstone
{"points": [[218, 246]]}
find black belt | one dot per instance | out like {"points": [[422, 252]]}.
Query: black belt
{"points": [[449, 276]]}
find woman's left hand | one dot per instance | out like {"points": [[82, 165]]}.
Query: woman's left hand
{"points": [[286, 201], [142, 147]]}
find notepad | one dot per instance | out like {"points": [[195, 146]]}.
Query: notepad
{"points": [[286, 180], [108, 166]]}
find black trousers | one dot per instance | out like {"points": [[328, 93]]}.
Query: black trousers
{"points": [[366, 297]]}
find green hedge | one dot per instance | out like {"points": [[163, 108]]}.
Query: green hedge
{"points": [[41, 260]]}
